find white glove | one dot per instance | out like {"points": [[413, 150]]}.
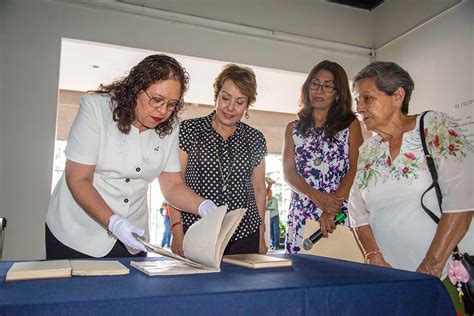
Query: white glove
{"points": [[206, 207], [123, 229]]}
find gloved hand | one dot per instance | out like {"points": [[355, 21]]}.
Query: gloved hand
{"points": [[123, 229], [206, 207]]}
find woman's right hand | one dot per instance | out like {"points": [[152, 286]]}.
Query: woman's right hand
{"points": [[177, 241], [326, 222], [377, 259], [328, 202]]}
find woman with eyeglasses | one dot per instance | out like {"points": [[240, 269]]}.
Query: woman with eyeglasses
{"points": [[320, 152], [222, 159], [393, 207], [124, 136]]}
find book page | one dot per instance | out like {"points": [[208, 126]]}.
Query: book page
{"points": [[256, 261], [169, 254], [200, 240], [98, 267], [203, 245], [229, 225], [39, 270], [169, 267]]}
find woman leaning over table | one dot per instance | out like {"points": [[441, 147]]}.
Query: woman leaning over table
{"points": [[392, 174], [124, 136], [320, 152], [222, 159]]}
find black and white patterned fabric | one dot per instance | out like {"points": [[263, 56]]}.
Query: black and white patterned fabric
{"points": [[205, 149]]}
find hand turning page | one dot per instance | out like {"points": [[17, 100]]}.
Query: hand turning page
{"points": [[204, 244]]}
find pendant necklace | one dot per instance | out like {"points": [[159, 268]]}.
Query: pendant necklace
{"points": [[226, 178], [318, 133]]}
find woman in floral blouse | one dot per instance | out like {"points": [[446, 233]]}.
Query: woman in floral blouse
{"points": [[392, 174], [320, 152]]}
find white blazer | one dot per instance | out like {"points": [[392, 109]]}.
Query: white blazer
{"points": [[124, 167]]}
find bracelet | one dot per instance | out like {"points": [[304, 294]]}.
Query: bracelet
{"points": [[109, 233], [175, 224], [368, 254]]}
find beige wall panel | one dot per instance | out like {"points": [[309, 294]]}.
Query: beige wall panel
{"points": [[271, 124]]}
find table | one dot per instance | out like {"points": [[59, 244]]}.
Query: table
{"points": [[312, 286]]}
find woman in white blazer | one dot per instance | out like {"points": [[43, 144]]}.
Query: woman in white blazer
{"points": [[124, 136]]}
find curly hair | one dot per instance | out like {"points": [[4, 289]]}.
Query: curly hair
{"points": [[388, 77], [242, 77], [124, 92], [340, 114]]}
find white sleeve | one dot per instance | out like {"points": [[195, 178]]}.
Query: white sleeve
{"points": [[173, 164], [358, 215], [84, 136], [454, 155], [455, 176]]}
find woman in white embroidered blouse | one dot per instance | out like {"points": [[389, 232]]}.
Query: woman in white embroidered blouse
{"points": [[384, 205]]}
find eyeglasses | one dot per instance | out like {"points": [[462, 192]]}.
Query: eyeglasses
{"points": [[325, 87], [157, 102]]}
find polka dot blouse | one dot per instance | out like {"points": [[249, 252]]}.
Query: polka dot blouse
{"points": [[221, 170]]}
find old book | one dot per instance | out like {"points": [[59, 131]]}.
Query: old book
{"points": [[31, 270], [97, 267], [203, 245], [49, 269], [257, 261]]}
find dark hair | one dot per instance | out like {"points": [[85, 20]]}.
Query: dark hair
{"points": [[388, 77], [243, 77], [124, 92], [340, 114]]}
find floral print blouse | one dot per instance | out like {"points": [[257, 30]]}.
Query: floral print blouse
{"points": [[323, 163], [387, 191]]}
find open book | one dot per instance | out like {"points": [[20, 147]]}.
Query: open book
{"points": [[203, 245], [257, 261], [47, 269]]}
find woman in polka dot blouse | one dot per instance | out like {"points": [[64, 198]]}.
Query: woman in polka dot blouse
{"points": [[222, 159]]}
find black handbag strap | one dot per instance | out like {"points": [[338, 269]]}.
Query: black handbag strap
{"points": [[434, 175]]}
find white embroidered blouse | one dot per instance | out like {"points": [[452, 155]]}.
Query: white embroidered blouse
{"points": [[387, 192]]}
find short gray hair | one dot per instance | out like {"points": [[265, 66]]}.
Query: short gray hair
{"points": [[388, 77]]}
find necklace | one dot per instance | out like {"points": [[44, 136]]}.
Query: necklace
{"points": [[319, 159], [224, 178]]}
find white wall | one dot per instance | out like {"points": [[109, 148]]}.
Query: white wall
{"points": [[316, 19], [30, 68], [2, 72], [439, 56], [396, 17]]}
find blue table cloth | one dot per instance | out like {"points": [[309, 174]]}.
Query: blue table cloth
{"points": [[312, 286]]}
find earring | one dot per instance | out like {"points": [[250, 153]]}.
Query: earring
{"points": [[247, 115]]}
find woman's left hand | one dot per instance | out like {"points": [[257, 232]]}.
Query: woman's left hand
{"points": [[262, 247], [451, 229], [428, 266]]}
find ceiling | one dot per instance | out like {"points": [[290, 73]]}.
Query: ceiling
{"points": [[86, 65], [359, 4]]}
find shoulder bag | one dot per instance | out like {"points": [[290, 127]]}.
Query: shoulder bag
{"points": [[465, 289]]}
